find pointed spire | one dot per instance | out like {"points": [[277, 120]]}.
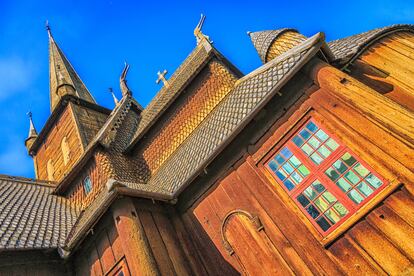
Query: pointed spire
{"points": [[62, 76], [32, 133], [113, 96]]}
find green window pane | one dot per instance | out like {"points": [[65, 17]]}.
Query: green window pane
{"points": [[361, 170], [365, 189], [303, 200], [332, 174], [312, 127], [322, 135], [342, 211], [355, 196], [340, 166], [352, 177], [332, 216], [322, 204], [303, 170], [296, 178], [298, 141], [332, 144], [318, 186], [307, 149], [330, 198], [324, 151], [374, 181], [288, 168], [348, 159], [295, 161], [343, 184], [323, 223], [315, 143], [305, 134], [316, 158], [310, 193]]}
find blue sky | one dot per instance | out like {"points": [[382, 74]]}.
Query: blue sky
{"points": [[97, 36]]}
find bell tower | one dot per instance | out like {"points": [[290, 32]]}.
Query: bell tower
{"points": [[74, 121]]}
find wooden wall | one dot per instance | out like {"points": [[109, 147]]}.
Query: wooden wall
{"points": [[376, 240], [388, 67], [65, 126]]}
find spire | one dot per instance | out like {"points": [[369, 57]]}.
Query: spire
{"points": [[113, 96], [62, 76], [32, 133]]}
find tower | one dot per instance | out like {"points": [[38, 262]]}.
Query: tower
{"points": [[75, 119]]}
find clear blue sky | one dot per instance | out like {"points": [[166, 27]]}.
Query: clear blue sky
{"points": [[97, 36]]}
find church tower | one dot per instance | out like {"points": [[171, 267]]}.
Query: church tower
{"points": [[75, 119]]}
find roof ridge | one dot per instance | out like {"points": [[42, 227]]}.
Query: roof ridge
{"points": [[25, 180]]}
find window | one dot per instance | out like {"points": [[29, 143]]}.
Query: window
{"points": [[65, 150], [325, 179], [87, 185]]}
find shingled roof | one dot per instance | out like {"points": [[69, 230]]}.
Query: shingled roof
{"points": [[31, 217], [347, 49]]}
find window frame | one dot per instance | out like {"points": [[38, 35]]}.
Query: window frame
{"points": [[317, 172]]}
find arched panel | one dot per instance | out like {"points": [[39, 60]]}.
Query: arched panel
{"points": [[65, 150]]}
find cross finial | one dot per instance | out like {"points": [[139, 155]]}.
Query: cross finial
{"points": [[161, 77], [113, 96], [29, 114], [198, 33]]}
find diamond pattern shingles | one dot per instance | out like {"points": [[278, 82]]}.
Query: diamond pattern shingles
{"points": [[30, 217], [222, 122], [346, 48]]}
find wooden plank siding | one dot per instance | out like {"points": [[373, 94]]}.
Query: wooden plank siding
{"points": [[388, 67], [372, 126]]}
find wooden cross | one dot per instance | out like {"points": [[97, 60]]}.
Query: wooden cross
{"points": [[161, 77]]}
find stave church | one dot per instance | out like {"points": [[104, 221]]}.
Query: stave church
{"points": [[303, 166]]}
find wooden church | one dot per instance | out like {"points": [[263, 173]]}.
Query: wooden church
{"points": [[303, 166]]}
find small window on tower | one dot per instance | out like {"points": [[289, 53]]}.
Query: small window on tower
{"points": [[87, 185], [65, 150], [50, 170]]}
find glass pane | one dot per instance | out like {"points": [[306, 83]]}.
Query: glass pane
{"points": [[288, 184], [355, 196], [288, 168], [342, 211], [306, 149], [318, 186], [315, 143], [303, 200], [303, 170], [332, 144], [324, 151], [323, 223], [279, 159], [374, 181], [298, 141], [286, 152], [316, 158], [312, 127], [352, 177], [343, 184], [329, 197], [281, 174], [332, 216], [312, 211], [294, 161], [305, 134], [310, 193], [365, 189], [348, 159], [322, 204], [322, 135], [296, 178], [332, 174], [340, 166], [361, 170], [272, 165]]}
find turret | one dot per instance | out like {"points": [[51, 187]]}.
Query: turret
{"points": [[32, 134]]}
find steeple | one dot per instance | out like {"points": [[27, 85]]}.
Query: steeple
{"points": [[32, 133], [63, 78]]}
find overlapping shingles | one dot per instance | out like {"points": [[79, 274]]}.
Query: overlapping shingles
{"points": [[345, 49], [31, 217]]}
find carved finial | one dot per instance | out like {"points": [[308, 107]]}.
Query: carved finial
{"points": [[32, 129], [161, 77], [198, 32], [248, 33], [113, 96], [123, 82]]}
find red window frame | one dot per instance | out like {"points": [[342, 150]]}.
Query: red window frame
{"points": [[317, 172]]}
